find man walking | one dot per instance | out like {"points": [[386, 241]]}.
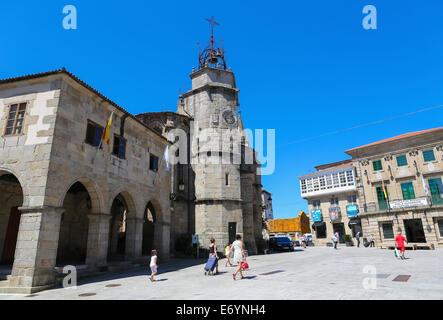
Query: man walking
{"points": [[371, 241], [335, 240], [357, 236], [400, 244]]}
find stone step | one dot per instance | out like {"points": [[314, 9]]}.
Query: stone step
{"points": [[4, 283]]}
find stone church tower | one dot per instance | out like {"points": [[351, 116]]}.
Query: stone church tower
{"points": [[212, 103], [217, 192]]}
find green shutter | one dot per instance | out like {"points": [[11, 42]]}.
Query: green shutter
{"points": [[402, 161], [407, 189], [428, 155], [436, 189], [377, 165], [382, 202], [388, 232]]}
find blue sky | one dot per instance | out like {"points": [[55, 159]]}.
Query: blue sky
{"points": [[304, 68]]}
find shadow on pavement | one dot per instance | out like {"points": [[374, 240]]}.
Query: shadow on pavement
{"points": [[170, 266]]}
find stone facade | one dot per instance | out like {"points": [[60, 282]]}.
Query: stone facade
{"points": [[406, 165], [63, 185]]}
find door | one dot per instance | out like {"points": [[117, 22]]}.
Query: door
{"points": [[232, 227], [340, 228], [11, 236], [414, 230]]}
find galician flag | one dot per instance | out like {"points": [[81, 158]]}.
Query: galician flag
{"points": [[425, 187], [166, 158], [106, 133]]}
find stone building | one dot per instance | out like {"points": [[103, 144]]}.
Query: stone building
{"points": [[65, 200], [401, 188], [333, 201]]}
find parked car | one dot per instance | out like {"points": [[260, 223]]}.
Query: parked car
{"points": [[308, 238], [281, 244]]}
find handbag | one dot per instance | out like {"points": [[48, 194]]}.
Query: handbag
{"points": [[397, 254], [244, 265]]}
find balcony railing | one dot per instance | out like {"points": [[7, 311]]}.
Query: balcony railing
{"points": [[398, 204]]}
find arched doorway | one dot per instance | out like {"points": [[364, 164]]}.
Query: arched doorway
{"points": [[73, 238], [117, 232], [11, 198], [149, 219]]}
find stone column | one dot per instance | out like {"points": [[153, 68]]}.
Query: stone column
{"points": [[134, 238], [248, 213], [98, 240], [36, 249], [162, 240]]}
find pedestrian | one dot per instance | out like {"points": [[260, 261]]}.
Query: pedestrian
{"points": [[371, 240], [357, 236], [153, 265], [400, 244], [213, 252], [239, 255], [227, 254], [303, 241], [335, 240]]}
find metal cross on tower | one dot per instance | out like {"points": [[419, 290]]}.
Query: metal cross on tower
{"points": [[211, 55]]}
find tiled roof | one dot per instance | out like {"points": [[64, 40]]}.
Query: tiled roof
{"points": [[155, 114], [84, 84], [403, 136], [338, 164]]}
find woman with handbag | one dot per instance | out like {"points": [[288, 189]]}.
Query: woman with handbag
{"points": [[239, 255]]}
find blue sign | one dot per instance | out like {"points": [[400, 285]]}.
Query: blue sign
{"points": [[352, 211], [316, 215]]}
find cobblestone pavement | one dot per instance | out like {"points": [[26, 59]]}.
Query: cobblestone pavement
{"points": [[313, 273]]}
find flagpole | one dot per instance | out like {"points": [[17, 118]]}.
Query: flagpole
{"points": [[103, 136]]}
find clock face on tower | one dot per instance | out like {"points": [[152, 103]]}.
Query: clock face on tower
{"points": [[228, 117]]}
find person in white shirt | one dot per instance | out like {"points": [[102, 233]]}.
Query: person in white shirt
{"points": [[153, 265]]}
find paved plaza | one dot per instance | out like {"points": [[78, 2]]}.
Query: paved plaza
{"points": [[309, 274]]}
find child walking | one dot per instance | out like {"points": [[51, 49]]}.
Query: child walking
{"points": [[227, 254], [153, 265]]}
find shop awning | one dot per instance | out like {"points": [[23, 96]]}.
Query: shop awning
{"points": [[354, 221], [317, 224]]}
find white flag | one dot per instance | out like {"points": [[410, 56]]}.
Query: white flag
{"points": [[425, 187], [166, 158]]}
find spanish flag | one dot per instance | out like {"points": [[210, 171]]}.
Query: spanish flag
{"points": [[106, 133], [384, 190]]}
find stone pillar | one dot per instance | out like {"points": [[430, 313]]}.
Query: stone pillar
{"points": [[98, 240], [36, 249], [248, 212], [162, 240], [134, 238]]}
